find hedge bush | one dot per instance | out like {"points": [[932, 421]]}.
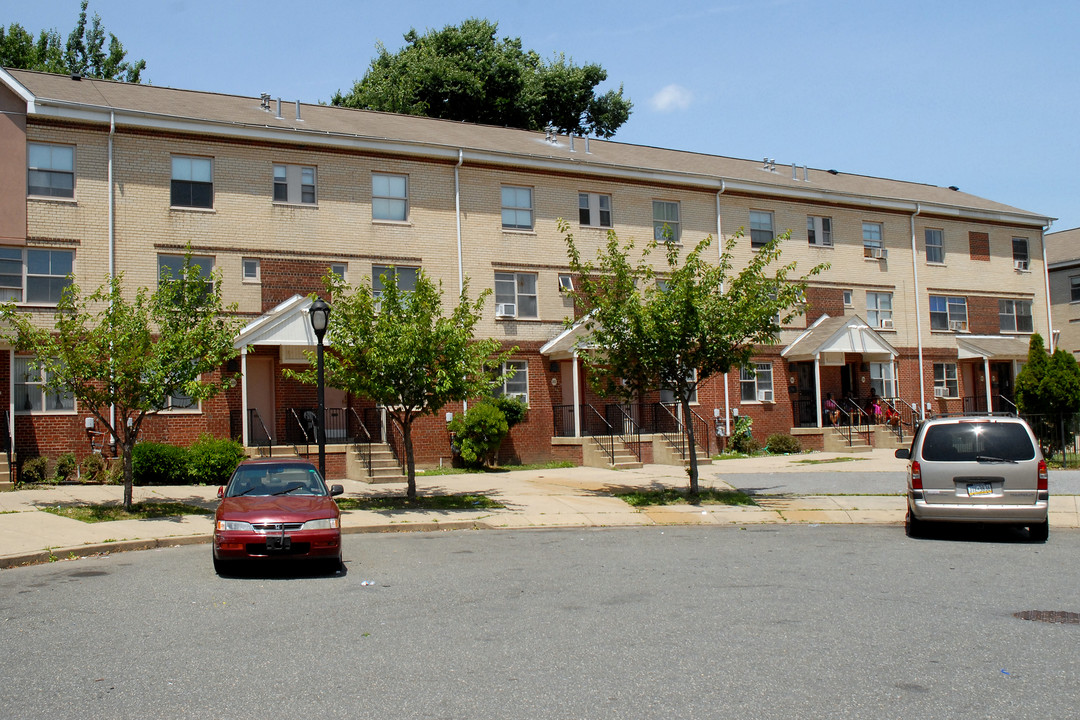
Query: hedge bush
{"points": [[66, 466], [34, 470], [156, 463], [211, 461], [478, 433], [93, 468], [782, 443]]}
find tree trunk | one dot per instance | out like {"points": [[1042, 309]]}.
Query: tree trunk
{"points": [[687, 417], [129, 473], [410, 462]]}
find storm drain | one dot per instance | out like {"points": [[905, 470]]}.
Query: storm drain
{"points": [[1049, 616]]}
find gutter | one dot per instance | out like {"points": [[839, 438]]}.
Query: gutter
{"points": [[918, 315], [1046, 282]]}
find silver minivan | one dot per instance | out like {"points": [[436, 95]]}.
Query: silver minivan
{"points": [[977, 468]]}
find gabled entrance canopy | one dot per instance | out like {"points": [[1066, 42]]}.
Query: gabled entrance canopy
{"points": [[286, 324], [992, 348], [828, 338], [566, 344]]}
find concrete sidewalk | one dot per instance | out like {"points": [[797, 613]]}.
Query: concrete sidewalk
{"points": [[563, 497]]}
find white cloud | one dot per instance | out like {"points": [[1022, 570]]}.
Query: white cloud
{"points": [[671, 98]]}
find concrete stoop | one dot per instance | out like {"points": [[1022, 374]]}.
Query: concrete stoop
{"points": [[664, 453], [594, 455], [384, 466], [834, 441]]}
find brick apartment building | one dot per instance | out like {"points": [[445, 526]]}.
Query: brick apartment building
{"points": [[930, 300]]}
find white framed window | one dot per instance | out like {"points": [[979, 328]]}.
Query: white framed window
{"points": [[170, 268], [516, 385], [1020, 253], [389, 197], [849, 299], [515, 295], [30, 393], [251, 270], [667, 394], [946, 381], [566, 282], [34, 275], [50, 170], [1074, 288], [594, 209], [819, 231], [294, 184], [948, 313], [179, 401], [879, 310], [756, 385], [339, 269], [517, 208], [935, 245], [192, 182], [403, 277], [872, 241], [1015, 316], [761, 228], [882, 380], [665, 221]]}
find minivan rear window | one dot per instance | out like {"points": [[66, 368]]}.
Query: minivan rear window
{"points": [[967, 441]]}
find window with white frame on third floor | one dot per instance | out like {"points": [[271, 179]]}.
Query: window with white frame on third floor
{"points": [[34, 275], [1020, 253], [872, 240], [819, 231], [761, 228], [594, 209], [666, 222], [389, 197], [948, 313], [515, 295], [935, 245], [192, 182], [294, 184], [1015, 316], [517, 208], [50, 170], [879, 311]]}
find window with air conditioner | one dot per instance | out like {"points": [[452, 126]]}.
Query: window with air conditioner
{"points": [[873, 240], [948, 313], [514, 380], [946, 380], [515, 295], [879, 311], [756, 383], [1020, 253]]}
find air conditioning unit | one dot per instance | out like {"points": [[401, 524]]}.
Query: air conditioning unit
{"points": [[764, 395], [886, 324], [1020, 264], [958, 325], [876, 253], [940, 392], [505, 310]]}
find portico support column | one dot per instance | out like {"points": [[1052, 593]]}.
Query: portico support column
{"points": [[817, 388], [986, 383], [244, 396], [577, 398]]}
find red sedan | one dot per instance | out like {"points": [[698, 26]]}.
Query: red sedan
{"points": [[277, 508]]}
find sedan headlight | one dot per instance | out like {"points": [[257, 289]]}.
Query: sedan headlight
{"points": [[323, 524], [235, 525]]}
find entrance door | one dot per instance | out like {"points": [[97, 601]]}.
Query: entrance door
{"points": [[806, 416], [336, 422], [1001, 386], [260, 391]]}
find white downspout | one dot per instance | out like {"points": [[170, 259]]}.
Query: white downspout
{"points": [[1046, 281], [457, 215], [720, 253], [112, 238], [918, 317]]}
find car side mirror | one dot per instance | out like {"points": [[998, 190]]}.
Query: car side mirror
{"points": [[221, 491], [902, 453], [336, 490]]}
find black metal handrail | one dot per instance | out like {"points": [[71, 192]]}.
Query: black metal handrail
{"points": [[701, 431], [396, 440], [858, 419], [255, 421], [563, 418], [898, 426], [619, 418], [595, 426], [669, 426], [312, 420], [6, 440], [362, 441], [844, 426]]}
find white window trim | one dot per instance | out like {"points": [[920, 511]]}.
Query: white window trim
{"points": [[674, 225], [822, 238], [213, 186], [883, 323], [949, 319], [945, 379], [531, 208], [404, 199], [243, 271], [25, 273], [757, 216], [521, 369], [204, 272], [294, 184], [516, 315], [38, 384], [1015, 315], [759, 368], [594, 210], [341, 270], [927, 245], [73, 172]]}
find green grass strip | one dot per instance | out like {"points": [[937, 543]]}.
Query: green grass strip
{"points": [[671, 496], [111, 512], [433, 502]]}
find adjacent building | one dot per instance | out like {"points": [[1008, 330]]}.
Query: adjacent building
{"points": [[929, 302], [1063, 263]]}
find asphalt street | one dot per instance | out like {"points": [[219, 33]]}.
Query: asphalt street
{"points": [[691, 622], [1062, 482]]}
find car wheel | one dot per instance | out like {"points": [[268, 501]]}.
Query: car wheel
{"points": [[333, 567], [913, 526], [1040, 532], [222, 567]]}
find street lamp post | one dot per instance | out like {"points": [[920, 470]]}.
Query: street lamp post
{"points": [[320, 317]]}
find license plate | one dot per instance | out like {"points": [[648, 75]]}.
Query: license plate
{"points": [[279, 544], [977, 489]]}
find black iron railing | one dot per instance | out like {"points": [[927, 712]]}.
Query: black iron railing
{"points": [[361, 439], [395, 438], [563, 416], [619, 418], [595, 426], [668, 425], [258, 434]]}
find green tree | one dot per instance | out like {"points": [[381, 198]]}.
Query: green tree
{"points": [[399, 349], [1048, 388], [108, 350], [1030, 398], [654, 330], [464, 72], [84, 52]]}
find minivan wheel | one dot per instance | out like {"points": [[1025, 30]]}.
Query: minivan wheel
{"points": [[1040, 532], [912, 525]]}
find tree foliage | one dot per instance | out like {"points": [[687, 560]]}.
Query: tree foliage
{"points": [[653, 330], [84, 52], [109, 350], [400, 350], [464, 72]]}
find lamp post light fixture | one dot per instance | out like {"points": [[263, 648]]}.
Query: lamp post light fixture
{"points": [[319, 313]]}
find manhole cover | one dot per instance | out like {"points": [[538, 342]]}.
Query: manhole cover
{"points": [[1050, 616]]}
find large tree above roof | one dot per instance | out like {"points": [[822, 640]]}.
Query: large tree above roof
{"points": [[464, 72], [83, 53]]}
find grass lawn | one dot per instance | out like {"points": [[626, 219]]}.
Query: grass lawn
{"points": [[432, 502], [139, 511], [498, 469], [671, 496], [830, 460]]}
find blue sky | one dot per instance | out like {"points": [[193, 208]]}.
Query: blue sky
{"points": [[978, 94]]}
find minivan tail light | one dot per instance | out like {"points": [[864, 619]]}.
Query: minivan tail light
{"points": [[916, 475], [1043, 478]]}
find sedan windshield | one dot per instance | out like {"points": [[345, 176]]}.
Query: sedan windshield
{"points": [[275, 480], [977, 441]]}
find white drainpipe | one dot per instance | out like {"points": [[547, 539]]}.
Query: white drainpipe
{"points": [[918, 317], [457, 215], [1046, 281], [112, 236]]}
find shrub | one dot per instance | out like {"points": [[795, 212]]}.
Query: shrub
{"points": [[65, 467], [782, 443], [34, 470], [478, 433], [211, 461], [159, 464], [114, 472], [513, 408], [93, 468], [745, 444]]}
